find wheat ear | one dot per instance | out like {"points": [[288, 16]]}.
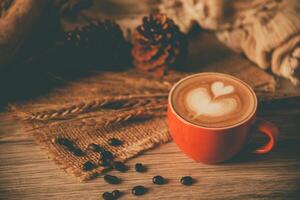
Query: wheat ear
{"points": [[150, 111], [87, 106]]}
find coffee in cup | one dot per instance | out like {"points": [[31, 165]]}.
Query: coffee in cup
{"points": [[213, 100]]}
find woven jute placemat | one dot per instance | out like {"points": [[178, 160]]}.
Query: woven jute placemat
{"points": [[125, 105]]}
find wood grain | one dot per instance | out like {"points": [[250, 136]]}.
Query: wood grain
{"points": [[26, 173]]}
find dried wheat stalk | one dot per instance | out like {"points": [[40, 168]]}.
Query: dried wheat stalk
{"points": [[150, 111], [64, 112], [155, 110]]}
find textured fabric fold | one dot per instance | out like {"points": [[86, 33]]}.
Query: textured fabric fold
{"points": [[254, 27]]}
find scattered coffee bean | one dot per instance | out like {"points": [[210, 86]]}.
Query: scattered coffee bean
{"points": [[77, 152], [95, 148], [112, 179], [119, 166], [139, 190], [139, 167], [115, 142], [105, 162], [158, 180], [108, 196], [88, 166], [187, 180], [69, 145], [117, 194], [65, 142], [107, 155]]}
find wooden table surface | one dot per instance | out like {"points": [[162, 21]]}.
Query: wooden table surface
{"points": [[26, 173]]}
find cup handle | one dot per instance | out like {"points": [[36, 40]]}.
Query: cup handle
{"points": [[268, 129]]}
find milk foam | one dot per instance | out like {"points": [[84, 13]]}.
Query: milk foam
{"points": [[200, 102], [213, 100]]}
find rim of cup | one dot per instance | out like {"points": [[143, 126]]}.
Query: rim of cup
{"points": [[249, 117]]}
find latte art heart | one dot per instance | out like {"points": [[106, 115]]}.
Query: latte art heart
{"points": [[200, 102], [212, 100], [218, 88]]}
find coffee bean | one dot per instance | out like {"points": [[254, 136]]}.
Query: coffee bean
{"points": [[108, 196], [77, 152], [158, 180], [107, 155], [115, 142], [139, 190], [95, 148], [69, 145], [117, 194], [139, 167], [187, 180], [119, 166], [65, 142], [104, 162], [112, 179], [88, 166]]}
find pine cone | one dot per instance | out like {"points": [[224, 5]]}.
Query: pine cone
{"points": [[158, 45], [98, 43]]}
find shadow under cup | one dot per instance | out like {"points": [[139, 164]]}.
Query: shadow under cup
{"points": [[216, 144]]}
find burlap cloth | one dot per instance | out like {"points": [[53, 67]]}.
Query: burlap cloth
{"points": [[73, 112]]}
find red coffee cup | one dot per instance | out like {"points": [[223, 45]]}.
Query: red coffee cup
{"points": [[214, 145]]}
